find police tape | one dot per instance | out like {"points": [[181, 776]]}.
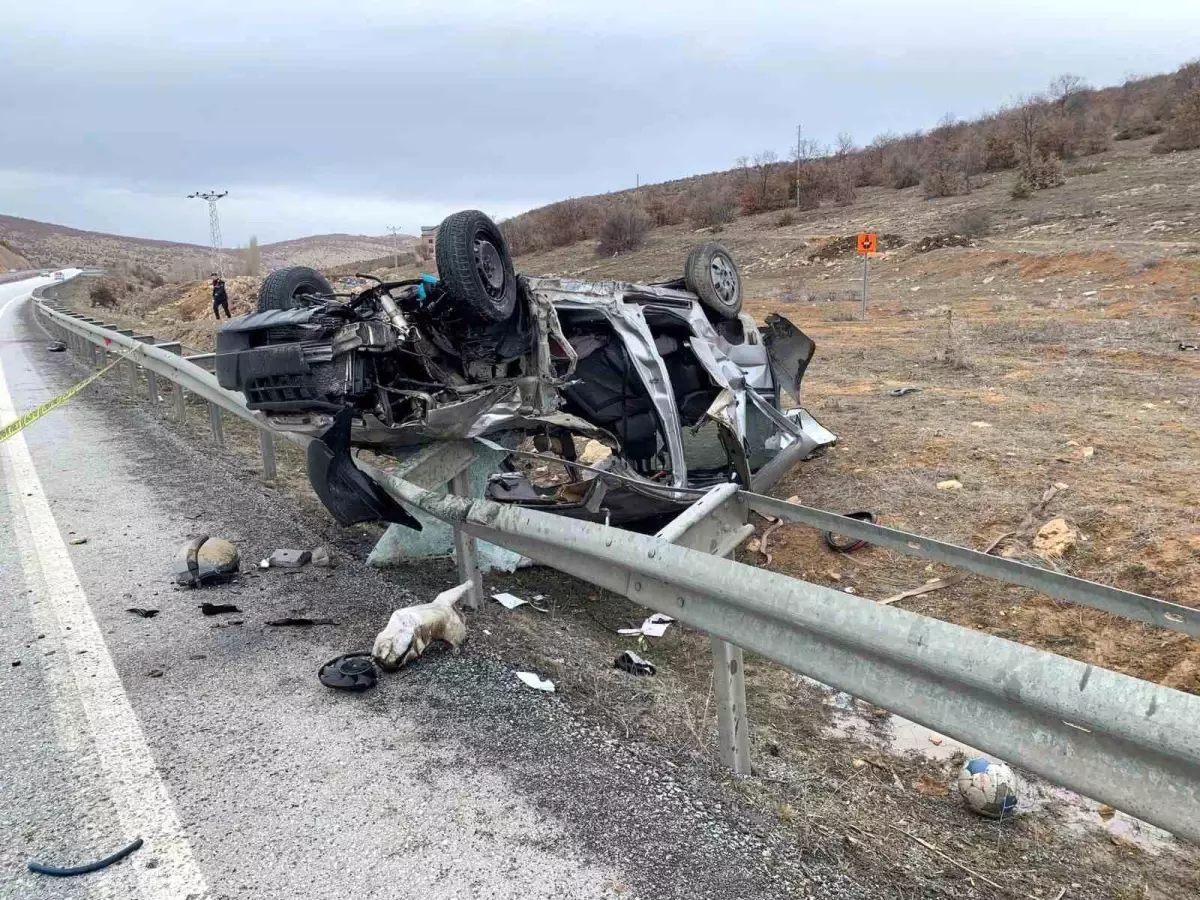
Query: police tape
{"points": [[33, 415]]}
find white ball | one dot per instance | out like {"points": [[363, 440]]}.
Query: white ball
{"points": [[988, 788]]}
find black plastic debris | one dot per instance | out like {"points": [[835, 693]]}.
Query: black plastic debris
{"points": [[143, 612], [843, 544], [56, 347], [299, 622], [216, 609], [1183, 346], [352, 672], [633, 664], [67, 871]]}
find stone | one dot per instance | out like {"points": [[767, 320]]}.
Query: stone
{"points": [[289, 559], [950, 484], [1055, 538], [594, 452], [323, 558]]}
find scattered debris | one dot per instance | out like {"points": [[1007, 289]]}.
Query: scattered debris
{"points": [[143, 612], [655, 626], [43, 869], [901, 391], [761, 543], [264, 564], [75, 542], [843, 544], [538, 684], [509, 601], [633, 664], [950, 484], [410, 630], [981, 424], [322, 558], [938, 583], [988, 788], [950, 859], [155, 673], [217, 609], [60, 347], [350, 672], [15, 663], [1086, 452], [1195, 347], [1055, 538], [299, 622], [204, 559], [289, 559], [931, 787]]}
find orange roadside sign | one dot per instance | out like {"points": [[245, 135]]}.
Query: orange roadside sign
{"points": [[867, 245]]}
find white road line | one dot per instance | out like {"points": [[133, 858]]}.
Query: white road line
{"points": [[135, 786]]}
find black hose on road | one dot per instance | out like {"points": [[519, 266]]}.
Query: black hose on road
{"points": [[43, 869]]}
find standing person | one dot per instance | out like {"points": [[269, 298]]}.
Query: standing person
{"points": [[220, 298]]}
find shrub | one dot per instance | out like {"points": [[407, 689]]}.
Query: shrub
{"points": [[903, 173], [973, 223], [785, 220], [1184, 132], [944, 183], [712, 208], [666, 210], [103, 293], [1037, 174], [625, 229], [999, 153]]}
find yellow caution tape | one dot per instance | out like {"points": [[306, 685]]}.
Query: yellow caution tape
{"points": [[34, 414]]}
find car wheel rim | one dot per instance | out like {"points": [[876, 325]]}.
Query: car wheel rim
{"points": [[490, 266], [724, 280]]}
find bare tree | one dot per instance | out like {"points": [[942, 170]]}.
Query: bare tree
{"points": [[1066, 90], [845, 145], [1030, 117], [764, 163]]}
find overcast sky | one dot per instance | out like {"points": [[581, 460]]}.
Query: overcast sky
{"points": [[358, 114]]}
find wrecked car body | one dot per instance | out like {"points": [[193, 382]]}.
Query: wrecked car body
{"points": [[680, 386]]}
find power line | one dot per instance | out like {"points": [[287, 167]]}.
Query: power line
{"points": [[214, 225]]}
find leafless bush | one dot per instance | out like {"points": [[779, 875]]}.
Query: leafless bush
{"points": [[1184, 133], [973, 223], [1037, 174], [999, 152], [712, 208], [625, 229], [785, 219], [103, 293]]}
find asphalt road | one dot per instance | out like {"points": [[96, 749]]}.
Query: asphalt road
{"points": [[211, 739]]}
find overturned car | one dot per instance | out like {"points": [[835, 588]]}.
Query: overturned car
{"points": [[668, 387]]}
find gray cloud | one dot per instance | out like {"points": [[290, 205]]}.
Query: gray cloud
{"points": [[352, 116]]}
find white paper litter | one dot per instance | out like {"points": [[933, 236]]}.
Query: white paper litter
{"points": [[533, 681], [264, 564], [509, 601], [655, 626]]}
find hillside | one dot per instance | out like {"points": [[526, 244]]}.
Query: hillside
{"points": [[11, 261], [49, 245], [1059, 325]]}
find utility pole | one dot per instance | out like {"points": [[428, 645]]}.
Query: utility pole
{"points": [[214, 225], [395, 229], [797, 167]]}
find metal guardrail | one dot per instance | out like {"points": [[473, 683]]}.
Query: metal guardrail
{"points": [[1127, 742]]}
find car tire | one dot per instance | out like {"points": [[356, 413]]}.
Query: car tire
{"points": [[283, 288], [475, 266], [711, 274]]}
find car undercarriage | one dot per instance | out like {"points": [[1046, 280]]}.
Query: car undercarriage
{"points": [[633, 397]]}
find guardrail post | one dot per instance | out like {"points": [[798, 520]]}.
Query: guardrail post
{"points": [[465, 549], [716, 524], [214, 413], [180, 403], [266, 440], [733, 724], [152, 383]]}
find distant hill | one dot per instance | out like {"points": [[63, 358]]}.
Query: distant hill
{"points": [[10, 260], [45, 244]]}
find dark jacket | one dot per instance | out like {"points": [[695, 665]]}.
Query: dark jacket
{"points": [[220, 298]]}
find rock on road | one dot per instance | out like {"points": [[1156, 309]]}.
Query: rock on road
{"points": [[246, 777]]}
